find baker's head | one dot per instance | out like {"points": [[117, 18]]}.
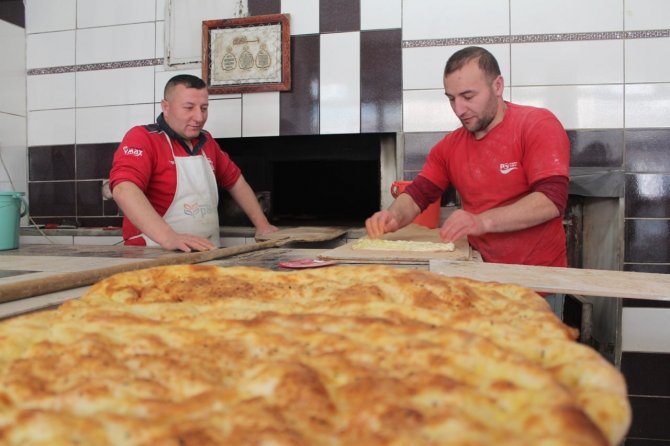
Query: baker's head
{"points": [[474, 86], [185, 104]]}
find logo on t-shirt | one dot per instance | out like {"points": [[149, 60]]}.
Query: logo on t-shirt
{"points": [[132, 151], [506, 168]]}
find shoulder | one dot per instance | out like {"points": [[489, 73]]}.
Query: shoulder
{"points": [[528, 115]]}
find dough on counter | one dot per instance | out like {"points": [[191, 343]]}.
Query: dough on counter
{"points": [[378, 244]]}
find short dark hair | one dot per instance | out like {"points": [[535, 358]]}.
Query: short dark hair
{"points": [[187, 80], [487, 63]]}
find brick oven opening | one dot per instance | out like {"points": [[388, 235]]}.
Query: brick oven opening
{"points": [[311, 180]]}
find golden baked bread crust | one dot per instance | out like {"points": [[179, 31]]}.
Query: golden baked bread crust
{"points": [[346, 355]]}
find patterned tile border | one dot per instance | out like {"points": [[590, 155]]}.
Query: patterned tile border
{"points": [[96, 66], [537, 38], [455, 41]]}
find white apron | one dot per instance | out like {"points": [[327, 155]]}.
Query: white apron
{"points": [[194, 207]]}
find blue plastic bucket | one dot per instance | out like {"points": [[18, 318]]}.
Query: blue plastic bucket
{"points": [[10, 213]]}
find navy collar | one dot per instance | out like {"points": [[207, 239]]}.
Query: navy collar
{"points": [[202, 139]]}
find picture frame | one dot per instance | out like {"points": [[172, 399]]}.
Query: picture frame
{"points": [[246, 55]]}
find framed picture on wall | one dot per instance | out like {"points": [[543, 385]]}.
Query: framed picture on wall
{"points": [[249, 54]]}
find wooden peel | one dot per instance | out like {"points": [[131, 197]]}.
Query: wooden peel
{"points": [[34, 287]]}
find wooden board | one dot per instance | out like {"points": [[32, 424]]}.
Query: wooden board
{"points": [[416, 233], [305, 234], [586, 282]]}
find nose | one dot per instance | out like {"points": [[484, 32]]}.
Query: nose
{"points": [[458, 107]]}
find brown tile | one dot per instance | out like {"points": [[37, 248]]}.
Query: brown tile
{"points": [[89, 198], [594, 148], [646, 373], [299, 108], [647, 195], [646, 241], [47, 163], [100, 222], [94, 160], [381, 81], [336, 16], [650, 418], [263, 7], [52, 198], [14, 12], [648, 150]]}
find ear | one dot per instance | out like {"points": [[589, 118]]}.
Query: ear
{"points": [[164, 105], [498, 85]]}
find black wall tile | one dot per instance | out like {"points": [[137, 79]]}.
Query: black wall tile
{"points": [[645, 442], [647, 374], [381, 81], [648, 150], [650, 418], [94, 161], [647, 195], [417, 146], [47, 163], [100, 222], [596, 148], [263, 7], [52, 199], [14, 12], [89, 198], [647, 241], [299, 108], [336, 16], [110, 208]]}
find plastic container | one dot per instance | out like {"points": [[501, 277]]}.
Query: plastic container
{"points": [[430, 217], [11, 204]]}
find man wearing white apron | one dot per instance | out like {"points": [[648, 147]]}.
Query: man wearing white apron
{"points": [[164, 176]]}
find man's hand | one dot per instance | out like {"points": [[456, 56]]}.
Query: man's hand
{"points": [[186, 243], [461, 223], [265, 230], [380, 223]]}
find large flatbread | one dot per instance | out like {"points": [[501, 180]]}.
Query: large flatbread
{"points": [[346, 355]]}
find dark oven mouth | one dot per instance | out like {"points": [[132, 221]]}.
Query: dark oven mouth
{"points": [[316, 180]]}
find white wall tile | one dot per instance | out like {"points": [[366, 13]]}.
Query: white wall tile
{"points": [[381, 14], [646, 14], [260, 114], [436, 19], [160, 9], [109, 124], [50, 91], [50, 15], [565, 16], [225, 118], [644, 62], [561, 63], [116, 43], [12, 69], [51, 127], [14, 153], [427, 111], [645, 330], [50, 49], [92, 13], [647, 105], [340, 93], [577, 107], [304, 16], [115, 87], [160, 40], [423, 67]]}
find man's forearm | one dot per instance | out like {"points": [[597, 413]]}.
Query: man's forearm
{"points": [[533, 209], [246, 199], [405, 209], [135, 205]]}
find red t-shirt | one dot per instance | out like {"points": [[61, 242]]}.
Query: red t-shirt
{"points": [[144, 158], [528, 145]]}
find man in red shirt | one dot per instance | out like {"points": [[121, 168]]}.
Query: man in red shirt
{"points": [[508, 162], [164, 176]]}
